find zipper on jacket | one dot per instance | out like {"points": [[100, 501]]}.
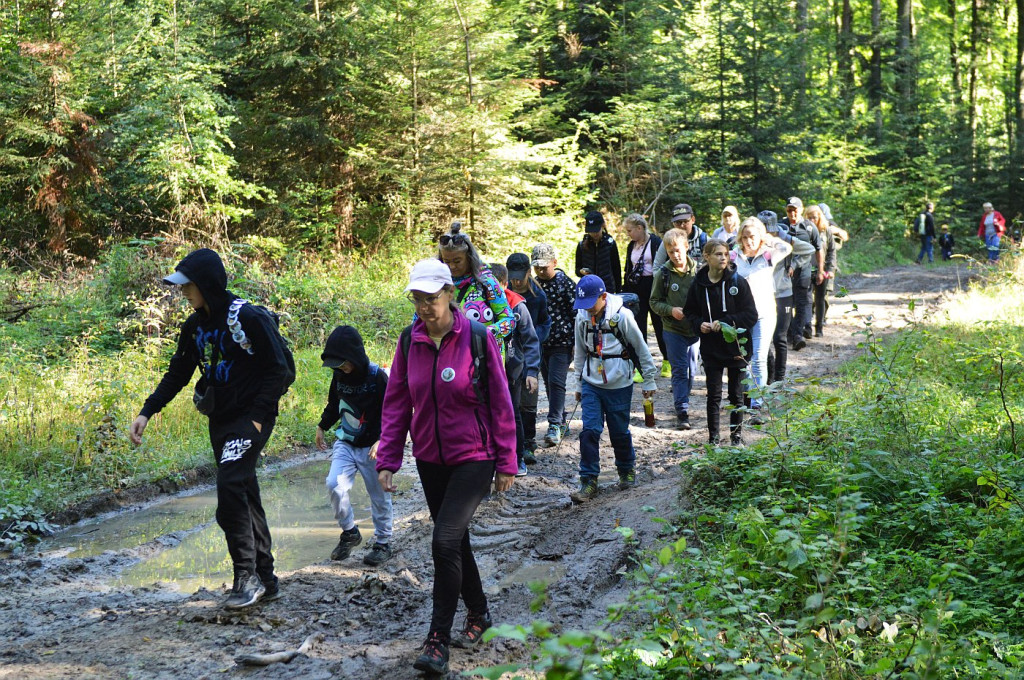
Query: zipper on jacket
{"points": [[433, 394]]}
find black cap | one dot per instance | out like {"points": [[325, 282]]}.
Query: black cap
{"points": [[518, 264], [595, 221]]}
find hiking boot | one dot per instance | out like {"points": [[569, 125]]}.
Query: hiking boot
{"points": [[735, 439], [755, 418], [472, 631], [564, 429], [350, 538], [272, 590], [818, 333], [798, 344], [683, 420], [553, 437], [587, 490], [378, 555], [528, 457], [246, 591], [666, 369], [627, 479], [434, 658], [522, 471], [807, 332]]}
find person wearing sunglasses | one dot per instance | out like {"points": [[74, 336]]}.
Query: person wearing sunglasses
{"points": [[460, 441], [474, 282]]}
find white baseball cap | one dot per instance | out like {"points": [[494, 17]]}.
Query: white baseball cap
{"points": [[429, 276]]}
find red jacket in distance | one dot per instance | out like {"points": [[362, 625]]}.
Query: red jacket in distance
{"points": [[998, 221], [430, 396]]}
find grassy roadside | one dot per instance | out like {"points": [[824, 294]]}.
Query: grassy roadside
{"points": [[878, 533]]}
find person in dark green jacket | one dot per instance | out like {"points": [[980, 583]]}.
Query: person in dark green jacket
{"points": [[668, 296]]}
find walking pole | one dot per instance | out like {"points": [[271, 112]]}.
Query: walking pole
{"points": [[571, 416]]}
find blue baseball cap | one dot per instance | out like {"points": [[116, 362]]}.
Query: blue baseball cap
{"points": [[588, 290]]}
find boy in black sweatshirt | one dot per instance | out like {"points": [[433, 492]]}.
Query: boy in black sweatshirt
{"points": [[245, 371], [355, 398]]}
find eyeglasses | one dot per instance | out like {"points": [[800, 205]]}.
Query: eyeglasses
{"points": [[454, 239], [427, 301]]}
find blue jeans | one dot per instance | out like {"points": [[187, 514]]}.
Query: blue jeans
{"points": [[600, 405], [346, 460], [760, 341], [554, 366], [992, 245], [678, 348], [926, 248]]}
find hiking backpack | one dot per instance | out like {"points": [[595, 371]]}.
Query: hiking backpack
{"points": [[239, 336]]}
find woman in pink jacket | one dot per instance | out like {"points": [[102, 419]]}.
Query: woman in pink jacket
{"points": [[463, 436], [991, 229]]}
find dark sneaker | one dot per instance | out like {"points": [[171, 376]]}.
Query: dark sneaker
{"points": [[434, 658], [755, 418], [683, 420], [528, 457], [349, 539], [587, 490], [553, 437], [807, 332], [378, 555], [522, 471], [735, 440], [272, 590], [247, 591], [799, 344], [627, 480], [818, 334], [474, 629], [564, 430]]}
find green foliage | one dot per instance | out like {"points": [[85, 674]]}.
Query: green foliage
{"points": [[876, 532]]}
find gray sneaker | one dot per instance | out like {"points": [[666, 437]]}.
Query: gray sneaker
{"points": [[553, 437], [378, 555], [247, 591]]}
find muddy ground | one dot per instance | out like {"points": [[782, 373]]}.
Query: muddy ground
{"points": [[60, 618]]}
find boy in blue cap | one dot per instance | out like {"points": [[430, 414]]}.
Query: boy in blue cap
{"points": [[607, 345]]}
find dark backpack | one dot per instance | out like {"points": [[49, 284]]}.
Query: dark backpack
{"points": [[281, 342], [477, 349]]}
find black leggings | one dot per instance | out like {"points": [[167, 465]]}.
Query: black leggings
{"points": [[713, 378], [780, 348], [643, 291], [453, 494]]}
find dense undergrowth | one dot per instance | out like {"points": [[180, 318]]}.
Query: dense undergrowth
{"points": [[877, 533]]}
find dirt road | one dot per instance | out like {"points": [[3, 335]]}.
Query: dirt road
{"points": [[60, 618]]}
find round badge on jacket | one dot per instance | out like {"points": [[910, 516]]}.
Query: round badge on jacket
{"points": [[733, 290], [448, 374], [675, 287]]}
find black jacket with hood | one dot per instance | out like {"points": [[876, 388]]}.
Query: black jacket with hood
{"points": [[355, 398], [728, 300], [601, 258], [245, 384]]}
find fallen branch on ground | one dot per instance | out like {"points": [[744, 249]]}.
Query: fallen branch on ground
{"points": [[276, 657]]}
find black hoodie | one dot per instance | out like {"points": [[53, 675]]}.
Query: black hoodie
{"points": [[728, 300], [356, 398], [245, 384]]}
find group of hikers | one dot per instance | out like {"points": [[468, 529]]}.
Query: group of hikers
{"points": [[991, 231], [464, 381]]}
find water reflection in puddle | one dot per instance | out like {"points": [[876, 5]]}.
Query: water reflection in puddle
{"points": [[298, 510], [545, 572]]}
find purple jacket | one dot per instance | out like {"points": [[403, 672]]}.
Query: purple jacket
{"points": [[447, 423]]}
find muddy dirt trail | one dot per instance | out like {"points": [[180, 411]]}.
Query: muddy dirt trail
{"points": [[62, 617]]}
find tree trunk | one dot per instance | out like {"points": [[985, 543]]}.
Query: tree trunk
{"points": [[844, 54], [875, 75], [1016, 182], [972, 110], [469, 102], [905, 68]]}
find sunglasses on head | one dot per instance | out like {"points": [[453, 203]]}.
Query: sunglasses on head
{"points": [[453, 239]]}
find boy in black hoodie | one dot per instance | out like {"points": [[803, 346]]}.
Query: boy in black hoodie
{"points": [[244, 373], [355, 398]]}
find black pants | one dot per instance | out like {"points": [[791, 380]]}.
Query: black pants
{"points": [[801, 302], [778, 354], [713, 379], [237, 446], [822, 291], [453, 494], [642, 288]]}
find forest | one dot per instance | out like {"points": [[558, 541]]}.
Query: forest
{"points": [[873, 529], [348, 126]]}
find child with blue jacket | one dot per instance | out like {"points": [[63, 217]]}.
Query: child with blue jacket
{"points": [[355, 399]]}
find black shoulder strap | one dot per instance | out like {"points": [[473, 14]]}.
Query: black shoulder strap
{"points": [[404, 340], [477, 349]]}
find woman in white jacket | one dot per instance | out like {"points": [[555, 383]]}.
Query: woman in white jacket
{"points": [[756, 255]]}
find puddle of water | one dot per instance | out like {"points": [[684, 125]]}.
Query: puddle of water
{"points": [[298, 511]]}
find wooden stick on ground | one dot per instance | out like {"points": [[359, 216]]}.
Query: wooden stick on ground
{"points": [[282, 657]]}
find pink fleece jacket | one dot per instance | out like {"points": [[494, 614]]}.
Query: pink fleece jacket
{"points": [[430, 397]]}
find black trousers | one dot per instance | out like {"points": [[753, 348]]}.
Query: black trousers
{"points": [[713, 378], [642, 288], [778, 355], [237, 446], [801, 302], [453, 494], [515, 389], [822, 291]]}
